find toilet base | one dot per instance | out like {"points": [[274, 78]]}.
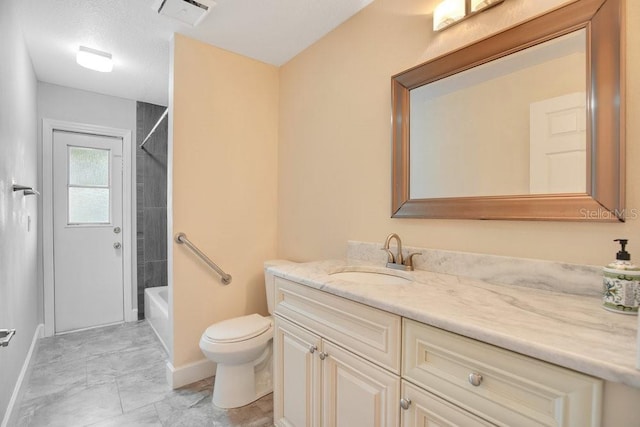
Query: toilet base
{"points": [[239, 385]]}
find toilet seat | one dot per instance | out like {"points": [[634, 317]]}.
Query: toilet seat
{"points": [[238, 329]]}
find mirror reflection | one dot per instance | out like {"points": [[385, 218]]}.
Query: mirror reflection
{"points": [[512, 126]]}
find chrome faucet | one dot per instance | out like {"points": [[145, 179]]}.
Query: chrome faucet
{"points": [[398, 261]]}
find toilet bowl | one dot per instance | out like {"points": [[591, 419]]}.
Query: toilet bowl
{"points": [[242, 348]]}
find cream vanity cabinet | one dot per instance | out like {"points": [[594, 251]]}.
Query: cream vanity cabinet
{"points": [[497, 386], [338, 363]]}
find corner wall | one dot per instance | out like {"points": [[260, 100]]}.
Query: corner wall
{"points": [[223, 190], [335, 142], [20, 290]]}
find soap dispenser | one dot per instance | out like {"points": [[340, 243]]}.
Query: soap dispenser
{"points": [[621, 283]]}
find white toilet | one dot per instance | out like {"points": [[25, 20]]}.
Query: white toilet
{"points": [[242, 349]]}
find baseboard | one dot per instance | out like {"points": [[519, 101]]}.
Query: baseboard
{"points": [[188, 374], [17, 390]]}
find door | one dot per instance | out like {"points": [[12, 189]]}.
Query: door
{"points": [[356, 392], [87, 234], [296, 376], [558, 145]]}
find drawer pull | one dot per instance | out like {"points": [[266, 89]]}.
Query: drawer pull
{"points": [[405, 403], [312, 349], [475, 379], [323, 355]]}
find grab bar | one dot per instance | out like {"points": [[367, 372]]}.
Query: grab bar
{"points": [[181, 238]]}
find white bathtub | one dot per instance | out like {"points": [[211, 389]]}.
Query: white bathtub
{"points": [[156, 311]]}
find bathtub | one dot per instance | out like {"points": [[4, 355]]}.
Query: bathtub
{"points": [[156, 311]]}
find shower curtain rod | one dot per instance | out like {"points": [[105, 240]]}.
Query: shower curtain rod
{"points": [[155, 127]]}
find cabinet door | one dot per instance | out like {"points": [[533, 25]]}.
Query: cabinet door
{"points": [[426, 409], [296, 381], [357, 392]]}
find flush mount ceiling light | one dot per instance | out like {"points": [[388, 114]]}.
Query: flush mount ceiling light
{"points": [[94, 59], [449, 12]]}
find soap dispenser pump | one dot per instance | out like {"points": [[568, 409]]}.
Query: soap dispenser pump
{"points": [[621, 283]]}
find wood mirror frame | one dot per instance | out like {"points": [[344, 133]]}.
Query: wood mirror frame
{"points": [[605, 196]]}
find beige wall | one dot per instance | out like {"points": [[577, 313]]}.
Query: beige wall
{"points": [[335, 151], [224, 188]]}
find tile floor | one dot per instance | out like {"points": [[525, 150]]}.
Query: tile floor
{"points": [[115, 376]]}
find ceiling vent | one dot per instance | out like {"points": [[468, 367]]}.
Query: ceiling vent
{"points": [[189, 12]]}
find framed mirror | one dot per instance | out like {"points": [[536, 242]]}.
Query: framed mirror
{"points": [[524, 125]]}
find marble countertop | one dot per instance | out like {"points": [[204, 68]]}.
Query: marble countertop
{"points": [[567, 330]]}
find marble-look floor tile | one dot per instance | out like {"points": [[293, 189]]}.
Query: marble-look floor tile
{"points": [[185, 397], [109, 366], [257, 414], [115, 376], [182, 410], [142, 417], [55, 379], [64, 348], [118, 338], [79, 409], [142, 387]]}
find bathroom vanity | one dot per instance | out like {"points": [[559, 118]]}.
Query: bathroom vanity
{"points": [[440, 349]]}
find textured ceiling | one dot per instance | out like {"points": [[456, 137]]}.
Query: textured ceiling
{"points": [[272, 31]]}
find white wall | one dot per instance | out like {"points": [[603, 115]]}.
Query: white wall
{"points": [[74, 105], [20, 294]]}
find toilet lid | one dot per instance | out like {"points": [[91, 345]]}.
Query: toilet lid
{"points": [[238, 328]]}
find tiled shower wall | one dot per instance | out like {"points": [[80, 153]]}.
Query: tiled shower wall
{"points": [[151, 188]]}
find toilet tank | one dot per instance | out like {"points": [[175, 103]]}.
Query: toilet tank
{"points": [[269, 281]]}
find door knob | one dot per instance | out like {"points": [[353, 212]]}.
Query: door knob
{"points": [[117, 245], [117, 230]]}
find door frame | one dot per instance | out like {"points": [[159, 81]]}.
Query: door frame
{"points": [[48, 127]]}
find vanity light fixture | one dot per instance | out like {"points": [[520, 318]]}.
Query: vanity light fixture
{"points": [[94, 59], [449, 12]]}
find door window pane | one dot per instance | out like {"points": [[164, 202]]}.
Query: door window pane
{"points": [[88, 205], [88, 166], [88, 186]]}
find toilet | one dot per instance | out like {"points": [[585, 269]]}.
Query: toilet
{"points": [[242, 348]]}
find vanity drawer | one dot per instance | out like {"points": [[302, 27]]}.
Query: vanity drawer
{"points": [[514, 390], [371, 333]]}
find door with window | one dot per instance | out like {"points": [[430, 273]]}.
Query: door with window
{"points": [[87, 233]]}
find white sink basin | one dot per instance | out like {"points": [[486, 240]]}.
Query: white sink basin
{"points": [[372, 276]]}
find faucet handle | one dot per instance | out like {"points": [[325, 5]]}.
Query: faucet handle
{"points": [[409, 259]]}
